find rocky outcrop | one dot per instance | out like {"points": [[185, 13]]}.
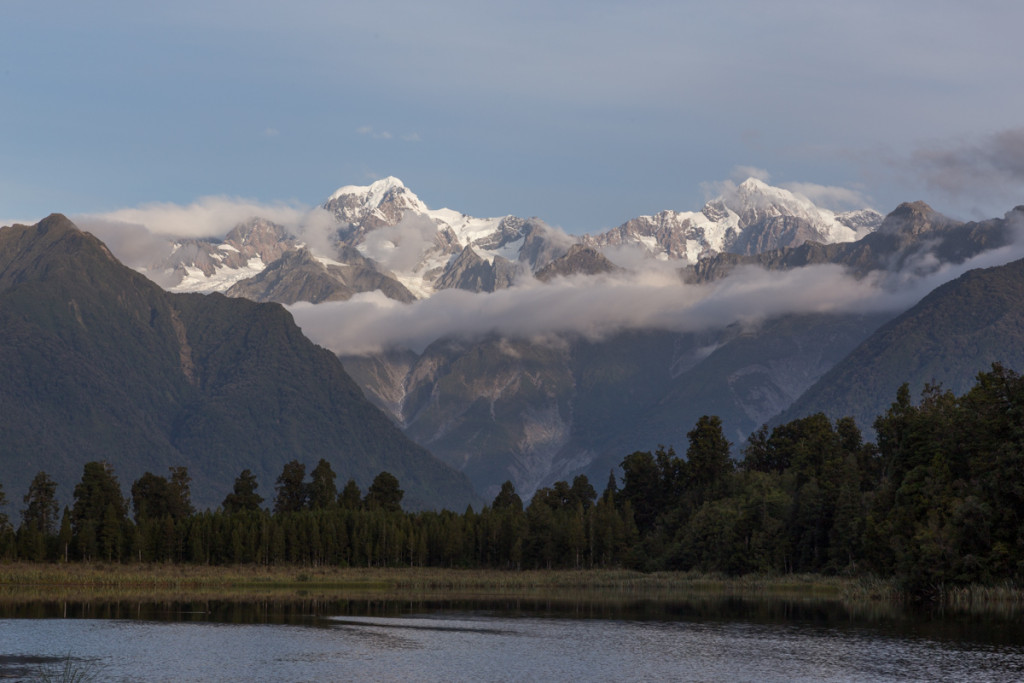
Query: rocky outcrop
{"points": [[298, 276], [581, 260]]}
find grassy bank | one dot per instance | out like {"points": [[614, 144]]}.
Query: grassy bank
{"points": [[90, 579], [97, 581], [98, 575]]}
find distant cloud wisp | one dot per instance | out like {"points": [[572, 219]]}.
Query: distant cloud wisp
{"points": [[989, 168]]}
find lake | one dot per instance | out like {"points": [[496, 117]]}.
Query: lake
{"points": [[505, 639]]}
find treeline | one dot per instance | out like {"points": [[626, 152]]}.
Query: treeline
{"points": [[939, 499]]}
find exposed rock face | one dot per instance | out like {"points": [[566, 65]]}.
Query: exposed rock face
{"points": [[470, 272], [581, 260], [242, 253], [299, 276], [774, 232]]}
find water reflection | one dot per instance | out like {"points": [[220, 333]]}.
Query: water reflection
{"points": [[294, 608], [438, 637]]}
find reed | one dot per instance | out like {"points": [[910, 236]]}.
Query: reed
{"points": [[123, 580]]}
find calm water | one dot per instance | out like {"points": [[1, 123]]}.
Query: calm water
{"points": [[511, 640]]}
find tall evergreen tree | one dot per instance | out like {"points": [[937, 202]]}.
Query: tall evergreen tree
{"points": [[41, 501], [708, 461], [181, 493], [323, 492], [291, 490], [243, 496], [384, 493], [507, 498], [100, 513], [350, 498]]}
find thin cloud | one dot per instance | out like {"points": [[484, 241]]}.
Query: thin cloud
{"points": [[988, 169], [741, 173], [830, 196], [142, 236], [369, 131], [206, 217], [401, 247]]}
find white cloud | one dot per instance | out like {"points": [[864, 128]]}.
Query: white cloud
{"points": [[598, 306], [589, 306], [741, 173], [830, 196], [206, 217], [373, 133], [141, 236], [400, 247]]}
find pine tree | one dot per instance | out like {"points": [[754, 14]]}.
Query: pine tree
{"points": [[243, 496], [350, 498], [384, 493], [322, 490], [100, 512], [292, 492], [41, 501]]}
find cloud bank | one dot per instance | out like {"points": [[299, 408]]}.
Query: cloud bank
{"points": [[596, 307], [599, 306]]}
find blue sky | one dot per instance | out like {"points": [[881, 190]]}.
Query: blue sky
{"points": [[582, 113]]}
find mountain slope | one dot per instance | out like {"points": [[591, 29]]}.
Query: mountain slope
{"points": [[913, 237], [97, 362], [951, 335]]}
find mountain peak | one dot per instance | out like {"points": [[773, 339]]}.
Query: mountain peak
{"points": [[383, 202], [753, 184], [913, 218], [377, 187]]}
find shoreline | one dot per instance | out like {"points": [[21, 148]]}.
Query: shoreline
{"points": [[101, 581]]}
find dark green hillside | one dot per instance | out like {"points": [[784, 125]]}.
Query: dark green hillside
{"points": [[98, 363], [957, 331]]}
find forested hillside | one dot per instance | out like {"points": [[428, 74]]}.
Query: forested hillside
{"points": [[938, 501], [99, 363]]}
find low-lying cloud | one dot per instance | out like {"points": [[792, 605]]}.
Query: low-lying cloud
{"points": [[142, 236], [401, 247], [204, 218], [593, 307], [599, 306]]}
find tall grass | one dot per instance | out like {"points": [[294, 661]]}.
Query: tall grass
{"points": [[97, 580]]}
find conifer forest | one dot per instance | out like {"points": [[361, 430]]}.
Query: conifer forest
{"points": [[936, 499]]}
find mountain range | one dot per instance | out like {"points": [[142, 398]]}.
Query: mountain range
{"points": [[99, 363], [532, 408], [384, 234], [512, 351]]}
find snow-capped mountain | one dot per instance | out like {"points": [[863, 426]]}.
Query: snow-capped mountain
{"points": [[755, 217], [385, 226], [202, 265], [388, 223]]}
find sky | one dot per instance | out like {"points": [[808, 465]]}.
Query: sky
{"points": [[584, 114]]}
